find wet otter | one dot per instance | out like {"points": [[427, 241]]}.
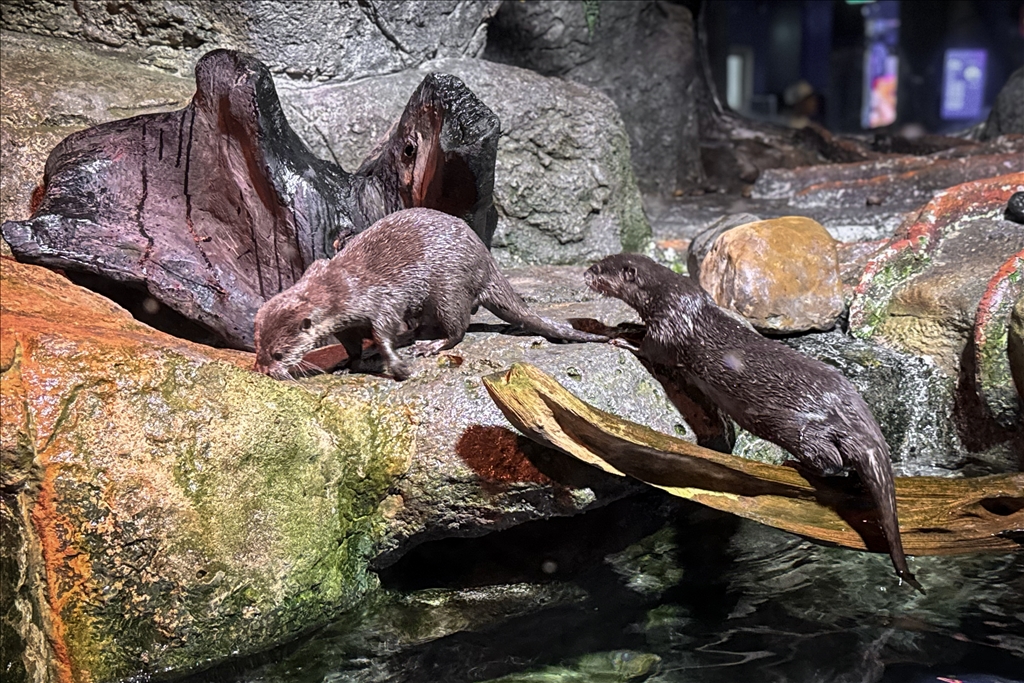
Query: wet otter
{"points": [[415, 274], [780, 395]]}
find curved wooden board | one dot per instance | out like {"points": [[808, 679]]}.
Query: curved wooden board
{"points": [[938, 516]]}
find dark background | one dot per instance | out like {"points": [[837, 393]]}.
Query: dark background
{"points": [[822, 42]]}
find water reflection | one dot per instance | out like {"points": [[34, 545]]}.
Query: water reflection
{"points": [[706, 597]]}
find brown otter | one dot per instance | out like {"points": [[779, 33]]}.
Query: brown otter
{"points": [[772, 391], [415, 274]]}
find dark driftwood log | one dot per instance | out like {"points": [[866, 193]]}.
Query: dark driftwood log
{"points": [[215, 208], [938, 516]]}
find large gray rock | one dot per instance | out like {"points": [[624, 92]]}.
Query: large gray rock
{"points": [[220, 511], [563, 187], [641, 54], [352, 39], [1007, 115]]}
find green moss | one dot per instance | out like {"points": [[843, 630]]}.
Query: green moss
{"points": [[875, 302], [260, 513]]}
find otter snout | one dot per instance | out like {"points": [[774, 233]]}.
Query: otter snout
{"points": [[595, 279]]}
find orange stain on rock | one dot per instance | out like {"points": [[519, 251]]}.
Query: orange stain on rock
{"points": [[47, 523], [493, 453], [54, 335]]}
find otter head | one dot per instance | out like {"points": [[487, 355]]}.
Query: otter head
{"points": [[290, 324], [629, 277]]}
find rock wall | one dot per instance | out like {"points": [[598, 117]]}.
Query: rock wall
{"points": [[563, 186], [640, 54], [353, 38]]}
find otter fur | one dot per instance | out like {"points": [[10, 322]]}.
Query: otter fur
{"points": [[771, 390], [414, 274]]}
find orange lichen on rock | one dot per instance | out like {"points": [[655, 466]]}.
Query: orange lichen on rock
{"points": [[49, 528], [494, 454]]}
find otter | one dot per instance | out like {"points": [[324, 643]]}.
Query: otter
{"points": [[416, 274], [771, 390]]}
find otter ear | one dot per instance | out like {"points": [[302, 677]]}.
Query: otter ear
{"points": [[306, 323], [629, 274]]}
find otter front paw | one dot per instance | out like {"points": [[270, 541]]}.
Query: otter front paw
{"points": [[400, 371], [423, 348]]}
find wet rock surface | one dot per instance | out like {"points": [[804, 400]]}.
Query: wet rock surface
{"points": [[922, 292], [780, 274], [378, 37], [218, 511], [563, 187], [640, 54]]}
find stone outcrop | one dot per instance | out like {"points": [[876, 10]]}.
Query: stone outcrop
{"points": [[153, 480], [781, 274], [52, 88], [563, 185], [640, 54], [921, 292], [366, 38], [564, 188], [1007, 115]]}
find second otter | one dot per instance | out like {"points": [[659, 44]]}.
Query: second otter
{"points": [[772, 391], [415, 274]]}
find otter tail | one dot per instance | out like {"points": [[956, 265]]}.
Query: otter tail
{"points": [[874, 467], [500, 299]]}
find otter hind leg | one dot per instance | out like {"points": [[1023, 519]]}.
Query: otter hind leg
{"points": [[453, 313]]}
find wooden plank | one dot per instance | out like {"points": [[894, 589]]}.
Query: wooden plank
{"points": [[938, 516]]}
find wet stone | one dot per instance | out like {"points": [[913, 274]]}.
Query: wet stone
{"points": [[781, 274]]}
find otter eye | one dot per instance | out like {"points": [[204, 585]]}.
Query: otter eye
{"points": [[277, 355], [306, 323], [629, 274], [410, 150]]}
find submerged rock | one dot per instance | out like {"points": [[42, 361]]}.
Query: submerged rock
{"points": [[781, 274]]}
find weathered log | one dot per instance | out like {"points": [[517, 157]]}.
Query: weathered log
{"points": [[215, 208], [938, 516]]}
